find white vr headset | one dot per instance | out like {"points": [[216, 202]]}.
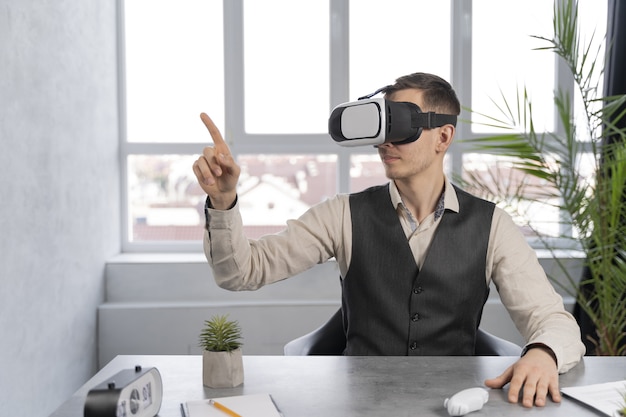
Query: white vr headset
{"points": [[374, 121]]}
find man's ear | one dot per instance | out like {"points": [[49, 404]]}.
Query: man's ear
{"points": [[446, 134]]}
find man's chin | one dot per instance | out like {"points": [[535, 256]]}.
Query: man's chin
{"points": [[392, 175]]}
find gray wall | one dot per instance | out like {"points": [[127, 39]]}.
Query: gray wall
{"points": [[59, 216]]}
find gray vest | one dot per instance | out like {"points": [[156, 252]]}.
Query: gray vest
{"points": [[390, 307]]}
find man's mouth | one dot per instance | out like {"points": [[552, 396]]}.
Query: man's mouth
{"points": [[388, 158]]}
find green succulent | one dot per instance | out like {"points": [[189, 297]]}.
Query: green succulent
{"points": [[220, 334]]}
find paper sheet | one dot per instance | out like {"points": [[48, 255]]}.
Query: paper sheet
{"points": [[252, 405], [606, 398]]}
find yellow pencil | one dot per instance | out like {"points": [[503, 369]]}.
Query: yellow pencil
{"points": [[223, 408]]}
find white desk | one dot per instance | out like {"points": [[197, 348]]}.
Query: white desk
{"points": [[328, 386]]}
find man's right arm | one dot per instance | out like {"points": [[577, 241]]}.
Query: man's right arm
{"points": [[242, 264], [239, 263]]}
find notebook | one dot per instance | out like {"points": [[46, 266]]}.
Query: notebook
{"points": [[251, 405]]}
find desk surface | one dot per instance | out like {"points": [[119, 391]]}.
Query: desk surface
{"points": [[349, 386]]}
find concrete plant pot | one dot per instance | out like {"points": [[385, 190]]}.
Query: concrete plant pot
{"points": [[222, 369]]}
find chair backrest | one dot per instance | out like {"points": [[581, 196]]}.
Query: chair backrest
{"points": [[329, 339]]}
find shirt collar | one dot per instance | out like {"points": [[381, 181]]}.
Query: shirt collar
{"points": [[450, 200]]}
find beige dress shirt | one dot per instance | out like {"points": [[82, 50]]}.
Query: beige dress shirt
{"points": [[325, 232]]}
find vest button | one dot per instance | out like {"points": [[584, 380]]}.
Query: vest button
{"points": [[415, 317], [417, 290], [413, 346]]}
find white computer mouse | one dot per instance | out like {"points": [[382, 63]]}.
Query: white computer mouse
{"points": [[466, 401]]}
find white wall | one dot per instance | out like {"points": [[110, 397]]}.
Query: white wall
{"points": [[59, 182]]}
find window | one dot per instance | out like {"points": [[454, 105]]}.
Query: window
{"points": [[269, 72]]}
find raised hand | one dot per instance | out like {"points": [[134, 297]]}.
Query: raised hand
{"points": [[216, 170]]}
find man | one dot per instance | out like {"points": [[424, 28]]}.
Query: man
{"points": [[416, 256]]}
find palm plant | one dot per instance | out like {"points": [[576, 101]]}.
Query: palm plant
{"points": [[554, 168]]}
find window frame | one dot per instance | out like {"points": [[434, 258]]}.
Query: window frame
{"points": [[247, 143]]}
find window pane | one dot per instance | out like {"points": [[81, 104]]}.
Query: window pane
{"points": [[592, 15], [497, 181], [286, 57], [366, 171], [275, 188], [174, 68], [165, 201], [392, 38], [504, 60]]}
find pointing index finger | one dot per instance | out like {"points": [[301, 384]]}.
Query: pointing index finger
{"points": [[218, 140]]}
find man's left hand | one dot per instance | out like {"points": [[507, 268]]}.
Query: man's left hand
{"points": [[535, 375]]}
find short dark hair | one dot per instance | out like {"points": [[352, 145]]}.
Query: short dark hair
{"points": [[439, 96]]}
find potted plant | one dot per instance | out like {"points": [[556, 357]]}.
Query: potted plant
{"points": [[222, 362], [550, 168]]}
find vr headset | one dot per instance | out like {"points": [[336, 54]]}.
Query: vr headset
{"points": [[374, 121]]}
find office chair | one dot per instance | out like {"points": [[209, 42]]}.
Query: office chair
{"points": [[329, 339]]}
